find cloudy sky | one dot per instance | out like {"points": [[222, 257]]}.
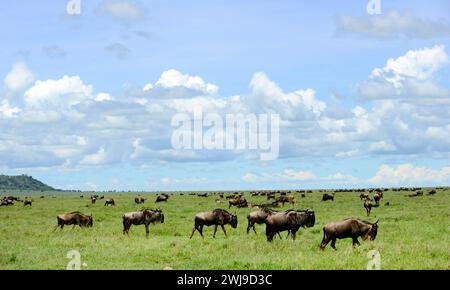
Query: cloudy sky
{"points": [[86, 100]]}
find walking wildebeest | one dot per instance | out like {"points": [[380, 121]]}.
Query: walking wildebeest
{"points": [[139, 199], [283, 199], [162, 197], [239, 202], [144, 217], [74, 218], [290, 220], [377, 197], [110, 201], [258, 217], [27, 202], [368, 206], [327, 196], [216, 217], [348, 228]]}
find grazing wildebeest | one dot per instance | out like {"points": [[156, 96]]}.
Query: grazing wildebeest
{"points": [[377, 197], [283, 199], [27, 202], [364, 196], [93, 199], [327, 196], [290, 220], [102, 197], [7, 202], [110, 201], [216, 217], [432, 192], [348, 228], [144, 217], [302, 195], [239, 202], [202, 194], [74, 218], [81, 196], [162, 197], [139, 199], [258, 217]]}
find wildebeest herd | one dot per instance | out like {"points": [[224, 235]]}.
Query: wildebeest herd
{"points": [[275, 221]]}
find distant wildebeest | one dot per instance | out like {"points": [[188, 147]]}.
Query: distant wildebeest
{"points": [[432, 192], [162, 197], [42, 196], [144, 217], [364, 196], [368, 206], [239, 202], [74, 218], [102, 197], [81, 196], [27, 202], [7, 202], [258, 217], [348, 228], [377, 197], [418, 193], [202, 194], [302, 195], [283, 199], [290, 220], [139, 199], [327, 196], [110, 201], [216, 217], [270, 195], [93, 199]]}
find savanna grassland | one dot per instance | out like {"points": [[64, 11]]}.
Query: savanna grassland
{"points": [[414, 233]]}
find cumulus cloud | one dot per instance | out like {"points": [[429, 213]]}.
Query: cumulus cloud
{"points": [[96, 158], [392, 25], [409, 174], [19, 77], [8, 111], [125, 11], [173, 78]]}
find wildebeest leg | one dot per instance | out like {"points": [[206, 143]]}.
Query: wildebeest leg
{"points": [[254, 229], [193, 231], [146, 231], [355, 241], [294, 234], [333, 244], [223, 229], [74, 226], [325, 240], [215, 230], [249, 226], [200, 230]]}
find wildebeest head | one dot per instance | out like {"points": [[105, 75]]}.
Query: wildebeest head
{"points": [[311, 218], [372, 234], [233, 221], [90, 221]]}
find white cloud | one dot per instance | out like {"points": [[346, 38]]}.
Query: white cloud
{"points": [[122, 10], [19, 77], [95, 159], [102, 97], [7, 111], [173, 78], [381, 146], [66, 91], [393, 25], [409, 174], [349, 153]]}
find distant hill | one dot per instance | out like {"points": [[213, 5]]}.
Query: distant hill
{"points": [[23, 182]]}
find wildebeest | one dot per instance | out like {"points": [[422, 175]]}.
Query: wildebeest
{"points": [[216, 217], [270, 195], [302, 195], [418, 193], [110, 201], [327, 196], [27, 202], [364, 196], [368, 206], [432, 192], [202, 194], [74, 218], [283, 199], [258, 217], [239, 202], [139, 199], [7, 202], [377, 197], [144, 217], [290, 220], [93, 199], [348, 228], [162, 197]]}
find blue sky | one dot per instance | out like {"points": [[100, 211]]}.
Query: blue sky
{"points": [[364, 99]]}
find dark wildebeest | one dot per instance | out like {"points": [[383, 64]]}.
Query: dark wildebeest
{"points": [[102, 197], [93, 199], [81, 196], [27, 202], [144, 217], [283, 199], [368, 206], [139, 199], [216, 217], [110, 201], [7, 202], [239, 202], [289, 221], [433, 191], [270, 195], [364, 196], [348, 228], [302, 195], [327, 196], [377, 197], [162, 197], [74, 218], [258, 217]]}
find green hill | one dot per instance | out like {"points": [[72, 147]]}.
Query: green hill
{"points": [[22, 182]]}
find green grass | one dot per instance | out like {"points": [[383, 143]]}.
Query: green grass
{"points": [[413, 234]]}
